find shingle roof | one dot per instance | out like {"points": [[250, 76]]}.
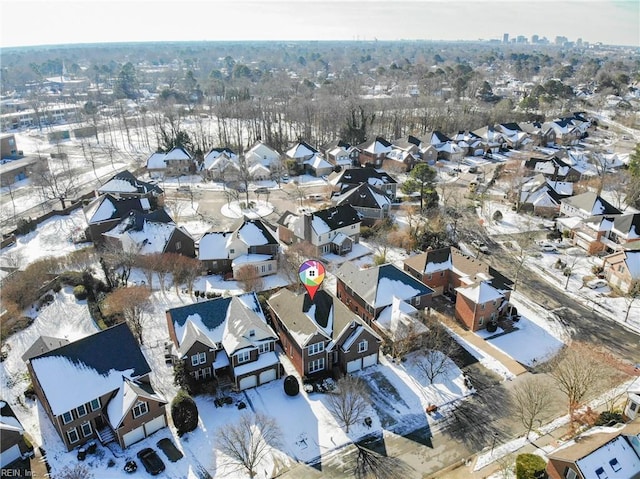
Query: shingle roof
{"points": [[364, 196], [212, 313], [592, 203], [355, 176], [339, 216], [128, 177], [43, 345]]}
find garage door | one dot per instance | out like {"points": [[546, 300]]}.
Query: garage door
{"points": [[266, 376], [369, 360], [133, 436], [248, 382], [154, 425], [354, 365], [10, 455]]}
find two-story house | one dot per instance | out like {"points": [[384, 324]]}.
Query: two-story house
{"points": [[221, 164], [371, 176], [368, 291], [321, 336], [253, 243], [587, 204], [373, 152], [89, 392], [372, 204], [332, 230], [261, 153], [106, 212], [126, 185], [341, 154], [226, 339], [481, 292], [176, 162], [540, 134], [622, 269], [514, 136]]}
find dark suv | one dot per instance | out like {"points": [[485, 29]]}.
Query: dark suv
{"points": [[151, 461]]}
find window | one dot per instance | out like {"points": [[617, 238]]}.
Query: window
{"points": [[315, 348], [482, 306], [95, 404], [72, 435], [429, 276], [441, 274], [202, 373], [243, 357], [601, 474], [317, 365], [198, 359], [140, 408], [480, 321], [362, 346], [264, 348], [82, 410], [615, 465], [178, 245], [633, 406], [86, 429], [67, 417], [232, 251]]}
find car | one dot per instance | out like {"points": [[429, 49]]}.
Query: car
{"points": [[285, 178], [548, 248], [151, 461], [480, 246], [597, 283]]}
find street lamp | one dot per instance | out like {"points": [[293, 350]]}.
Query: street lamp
{"points": [[493, 443]]}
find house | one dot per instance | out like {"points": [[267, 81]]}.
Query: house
{"points": [[369, 201], [400, 325], [542, 196], [261, 153], [252, 243], [301, 152], [625, 229], [13, 446], [148, 233], [332, 230], [491, 140], [469, 142], [221, 164], [371, 176], [226, 339], [447, 148], [540, 134], [632, 405], [622, 269], [481, 293], [17, 170], [514, 136], [8, 148], [321, 336], [373, 152], [341, 153], [613, 454], [89, 392], [317, 166], [591, 234], [400, 160], [587, 204], [566, 132], [176, 162], [553, 168], [368, 291], [105, 213], [126, 185]]}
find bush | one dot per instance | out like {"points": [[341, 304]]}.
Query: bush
{"points": [[291, 386], [497, 216], [80, 292], [184, 413], [71, 278], [609, 418], [183, 379], [492, 327], [530, 466], [25, 226]]}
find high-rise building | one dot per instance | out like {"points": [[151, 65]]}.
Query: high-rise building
{"points": [[535, 38], [505, 38]]}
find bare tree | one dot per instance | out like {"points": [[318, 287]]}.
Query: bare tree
{"points": [[576, 373], [79, 471], [132, 304], [292, 257], [439, 349], [249, 278], [55, 180], [185, 270], [249, 441], [531, 399], [432, 364], [630, 297], [349, 401], [373, 465]]}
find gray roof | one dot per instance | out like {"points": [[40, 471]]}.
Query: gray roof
{"points": [[42, 345], [592, 203]]}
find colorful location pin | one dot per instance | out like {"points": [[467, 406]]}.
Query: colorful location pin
{"points": [[311, 274]]}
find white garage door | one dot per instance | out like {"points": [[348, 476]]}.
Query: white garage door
{"points": [[133, 436], [248, 382], [153, 425], [369, 360], [266, 376], [354, 365], [10, 455]]}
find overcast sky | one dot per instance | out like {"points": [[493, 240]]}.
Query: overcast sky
{"points": [[27, 22]]}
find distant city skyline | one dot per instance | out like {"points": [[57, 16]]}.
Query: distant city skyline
{"points": [[28, 22]]}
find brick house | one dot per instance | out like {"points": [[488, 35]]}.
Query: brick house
{"points": [[106, 212], [126, 185], [252, 243], [622, 269], [321, 336], [371, 176], [177, 162], [89, 392], [226, 339], [481, 292], [374, 152], [368, 291], [332, 230], [372, 204]]}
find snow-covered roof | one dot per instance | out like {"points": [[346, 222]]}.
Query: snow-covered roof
{"points": [[317, 162], [250, 259], [213, 246], [8, 420], [633, 263], [253, 235], [364, 195], [126, 397], [480, 293], [617, 459], [156, 161], [301, 150], [177, 153]]}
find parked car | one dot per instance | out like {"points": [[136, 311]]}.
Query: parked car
{"points": [[151, 461], [597, 283], [285, 178], [480, 246], [548, 248]]}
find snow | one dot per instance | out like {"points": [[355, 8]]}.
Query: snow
{"points": [[435, 267], [104, 212], [252, 235], [152, 239], [259, 209], [481, 293], [213, 246], [628, 460], [264, 360], [120, 404], [250, 258], [388, 288], [319, 225], [122, 186]]}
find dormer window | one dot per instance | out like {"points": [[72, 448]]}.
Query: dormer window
{"points": [[252, 333], [264, 348], [243, 357]]}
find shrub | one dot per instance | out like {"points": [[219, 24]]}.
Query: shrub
{"points": [[184, 413], [80, 292], [25, 226], [497, 216], [608, 417], [529, 466], [183, 379], [492, 327], [291, 386]]}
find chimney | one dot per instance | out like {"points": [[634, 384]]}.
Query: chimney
{"points": [[306, 231]]}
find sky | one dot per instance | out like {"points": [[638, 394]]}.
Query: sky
{"points": [[29, 22]]}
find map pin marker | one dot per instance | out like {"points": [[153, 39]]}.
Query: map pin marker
{"points": [[311, 275]]}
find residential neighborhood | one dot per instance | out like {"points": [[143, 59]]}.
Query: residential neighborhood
{"points": [[155, 319]]}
